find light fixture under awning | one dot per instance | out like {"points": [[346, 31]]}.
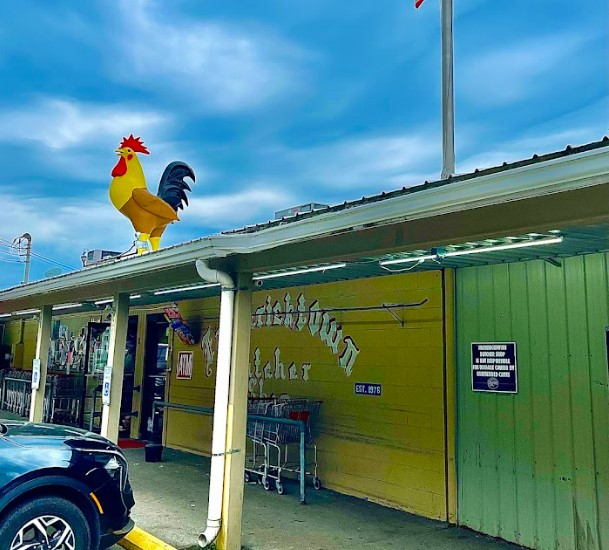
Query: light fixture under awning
{"points": [[476, 250], [315, 269]]}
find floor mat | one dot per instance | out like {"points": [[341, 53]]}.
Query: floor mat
{"points": [[131, 444]]}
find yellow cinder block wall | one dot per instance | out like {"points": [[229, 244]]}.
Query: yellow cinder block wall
{"points": [[387, 448]]}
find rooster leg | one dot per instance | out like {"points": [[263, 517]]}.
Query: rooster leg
{"points": [[155, 242], [142, 239], [155, 237]]}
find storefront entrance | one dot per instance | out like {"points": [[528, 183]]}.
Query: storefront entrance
{"points": [[155, 366], [77, 357]]}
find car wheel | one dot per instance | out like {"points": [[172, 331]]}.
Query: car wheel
{"points": [[48, 523]]}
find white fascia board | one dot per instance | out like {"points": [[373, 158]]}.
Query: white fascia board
{"points": [[558, 175]]}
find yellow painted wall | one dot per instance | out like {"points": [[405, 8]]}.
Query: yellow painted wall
{"points": [[186, 430], [389, 449], [12, 334]]}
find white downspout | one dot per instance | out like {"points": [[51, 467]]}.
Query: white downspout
{"points": [[218, 446]]}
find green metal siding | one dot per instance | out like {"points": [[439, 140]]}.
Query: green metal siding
{"points": [[533, 467]]}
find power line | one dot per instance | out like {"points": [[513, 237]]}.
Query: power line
{"points": [[50, 260], [39, 256], [11, 260], [42, 258], [4, 260]]}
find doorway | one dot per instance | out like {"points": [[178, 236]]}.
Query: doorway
{"points": [[155, 366], [127, 413], [94, 361]]}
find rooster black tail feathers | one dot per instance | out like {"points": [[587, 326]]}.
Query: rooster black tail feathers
{"points": [[172, 187]]}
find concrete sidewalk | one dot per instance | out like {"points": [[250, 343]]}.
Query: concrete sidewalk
{"points": [[5, 415], [171, 502]]}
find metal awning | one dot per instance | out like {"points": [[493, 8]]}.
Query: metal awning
{"points": [[575, 241]]}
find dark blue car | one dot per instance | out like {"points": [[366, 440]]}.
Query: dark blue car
{"points": [[61, 489]]}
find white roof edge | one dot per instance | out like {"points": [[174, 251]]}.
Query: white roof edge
{"points": [[557, 175], [122, 268]]}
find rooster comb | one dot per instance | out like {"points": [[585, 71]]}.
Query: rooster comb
{"points": [[135, 143]]}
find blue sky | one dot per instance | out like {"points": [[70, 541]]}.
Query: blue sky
{"points": [[273, 103]]}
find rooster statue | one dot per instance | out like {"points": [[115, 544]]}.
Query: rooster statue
{"points": [[149, 214]]}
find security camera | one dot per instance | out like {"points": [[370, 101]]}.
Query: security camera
{"points": [[439, 253], [258, 282]]}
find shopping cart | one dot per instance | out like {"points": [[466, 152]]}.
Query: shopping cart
{"points": [[280, 440], [256, 462]]}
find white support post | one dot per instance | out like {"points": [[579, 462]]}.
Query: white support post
{"points": [[116, 367], [43, 343], [232, 501]]}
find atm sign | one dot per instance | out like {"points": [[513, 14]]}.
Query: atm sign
{"points": [[184, 370]]}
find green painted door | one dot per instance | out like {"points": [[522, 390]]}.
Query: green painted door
{"points": [[533, 467]]}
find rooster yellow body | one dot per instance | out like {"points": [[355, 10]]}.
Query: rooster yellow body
{"points": [[149, 214]]}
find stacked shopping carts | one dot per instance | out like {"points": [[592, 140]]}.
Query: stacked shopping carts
{"points": [[274, 432]]}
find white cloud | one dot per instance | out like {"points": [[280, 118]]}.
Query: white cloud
{"points": [[506, 75], [77, 139], [254, 204], [64, 227], [217, 65], [526, 146], [95, 166], [63, 123], [369, 163]]}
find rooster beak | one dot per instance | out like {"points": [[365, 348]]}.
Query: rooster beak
{"points": [[119, 152]]}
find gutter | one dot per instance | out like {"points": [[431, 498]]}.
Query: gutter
{"points": [[218, 445]]}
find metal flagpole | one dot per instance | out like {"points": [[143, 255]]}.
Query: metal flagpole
{"points": [[448, 102]]}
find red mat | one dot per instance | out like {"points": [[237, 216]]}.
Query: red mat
{"points": [[130, 444]]}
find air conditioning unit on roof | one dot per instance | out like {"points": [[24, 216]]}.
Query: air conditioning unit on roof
{"points": [[93, 257], [301, 209]]}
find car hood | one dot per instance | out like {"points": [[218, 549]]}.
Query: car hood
{"points": [[28, 434]]}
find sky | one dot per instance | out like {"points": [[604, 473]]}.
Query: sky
{"points": [[273, 103]]}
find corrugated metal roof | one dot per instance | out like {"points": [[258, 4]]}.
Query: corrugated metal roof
{"points": [[535, 159]]}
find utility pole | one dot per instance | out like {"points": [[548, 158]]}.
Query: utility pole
{"points": [[28, 257], [26, 277], [18, 245]]}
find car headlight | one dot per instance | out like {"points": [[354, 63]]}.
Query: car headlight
{"points": [[112, 462], [114, 468]]}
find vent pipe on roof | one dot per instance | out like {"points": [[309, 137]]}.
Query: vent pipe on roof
{"points": [[218, 446]]}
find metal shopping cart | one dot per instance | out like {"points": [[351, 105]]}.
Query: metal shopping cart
{"points": [[278, 435], [256, 463]]}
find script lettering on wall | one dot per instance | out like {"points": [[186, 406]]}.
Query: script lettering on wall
{"points": [[208, 342], [298, 316]]}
